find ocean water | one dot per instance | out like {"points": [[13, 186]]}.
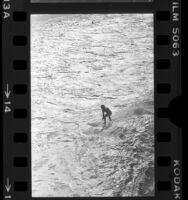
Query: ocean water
{"points": [[79, 62]]}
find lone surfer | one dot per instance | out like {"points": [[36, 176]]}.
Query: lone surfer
{"points": [[106, 112]]}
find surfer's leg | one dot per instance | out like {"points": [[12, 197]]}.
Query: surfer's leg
{"points": [[110, 118], [105, 119]]}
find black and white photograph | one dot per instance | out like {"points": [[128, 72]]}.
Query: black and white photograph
{"points": [[92, 105], [87, 1]]}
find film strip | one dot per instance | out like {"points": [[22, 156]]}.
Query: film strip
{"points": [[17, 103]]}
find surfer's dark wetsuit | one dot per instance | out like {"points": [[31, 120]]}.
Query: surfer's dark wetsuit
{"points": [[106, 112]]}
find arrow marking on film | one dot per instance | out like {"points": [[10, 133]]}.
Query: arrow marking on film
{"points": [[8, 185], [7, 92]]}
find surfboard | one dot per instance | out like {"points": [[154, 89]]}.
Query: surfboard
{"points": [[95, 124], [99, 126]]}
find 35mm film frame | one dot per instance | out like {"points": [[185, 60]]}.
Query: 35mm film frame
{"points": [[16, 105]]}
